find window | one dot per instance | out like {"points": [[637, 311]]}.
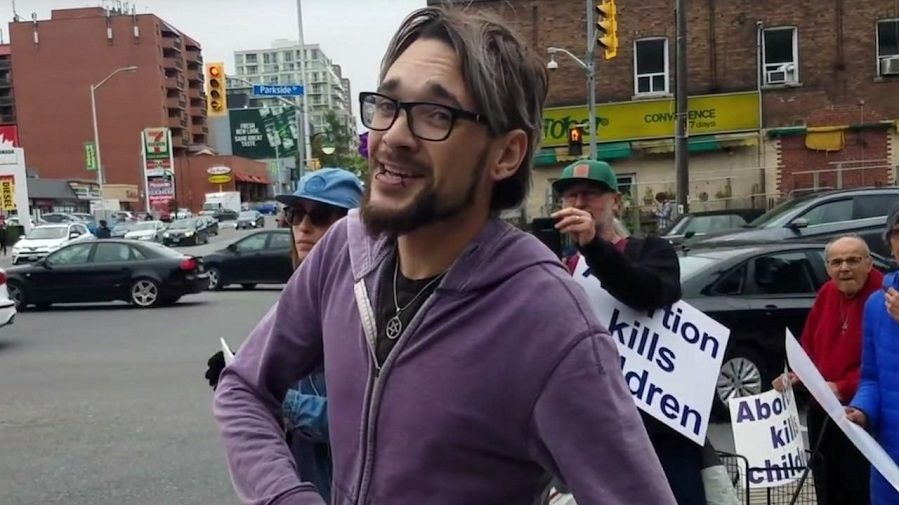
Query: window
{"points": [[267, 58], [238, 59], [783, 273], [781, 56], [829, 212], [888, 47], [252, 69], [252, 243], [79, 229], [287, 56], [874, 205], [732, 283], [279, 241], [651, 66], [72, 255], [252, 58], [112, 253]]}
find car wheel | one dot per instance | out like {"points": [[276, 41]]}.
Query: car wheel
{"points": [[145, 293], [742, 374], [16, 293], [248, 286], [215, 279]]}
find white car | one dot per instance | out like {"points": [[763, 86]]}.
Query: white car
{"points": [[183, 214], [7, 306], [47, 238], [146, 230]]}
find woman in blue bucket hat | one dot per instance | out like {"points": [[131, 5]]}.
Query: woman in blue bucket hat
{"points": [[321, 199]]}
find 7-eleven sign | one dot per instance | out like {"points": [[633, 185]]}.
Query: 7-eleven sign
{"points": [[156, 143]]}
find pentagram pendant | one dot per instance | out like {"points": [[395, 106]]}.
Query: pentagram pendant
{"points": [[394, 327]]}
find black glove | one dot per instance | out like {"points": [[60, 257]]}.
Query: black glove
{"points": [[216, 364]]}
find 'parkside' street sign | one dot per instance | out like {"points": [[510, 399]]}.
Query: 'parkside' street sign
{"points": [[275, 90]]}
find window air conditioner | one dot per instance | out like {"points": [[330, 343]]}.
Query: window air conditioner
{"points": [[780, 75], [889, 65]]}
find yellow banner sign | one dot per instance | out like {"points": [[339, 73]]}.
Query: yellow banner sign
{"points": [[7, 192], [220, 179], [651, 119]]}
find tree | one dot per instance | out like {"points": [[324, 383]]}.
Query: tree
{"points": [[342, 140]]}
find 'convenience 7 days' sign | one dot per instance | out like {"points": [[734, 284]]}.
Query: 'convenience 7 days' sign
{"points": [[652, 119]]}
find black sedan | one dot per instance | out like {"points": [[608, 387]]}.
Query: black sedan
{"points": [[260, 258], [250, 219], [145, 274], [756, 290], [186, 232]]}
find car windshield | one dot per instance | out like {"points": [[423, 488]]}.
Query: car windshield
{"points": [[87, 218], [248, 214], [691, 265], [56, 218], [122, 227], [183, 224], [47, 233], [775, 213], [705, 224], [145, 226]]}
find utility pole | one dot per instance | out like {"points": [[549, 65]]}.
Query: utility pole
{"points": [[304, 149], [591, 79], [681, 154]]}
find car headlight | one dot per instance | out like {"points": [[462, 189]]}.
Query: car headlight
{"points": [[166, 235], [188, 234]]}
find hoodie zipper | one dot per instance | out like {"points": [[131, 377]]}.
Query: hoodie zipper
{"points": [[377, 377]]}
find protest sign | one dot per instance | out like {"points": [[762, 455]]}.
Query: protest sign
{"points": [[767, 433], [670, 358], [813, 381]]}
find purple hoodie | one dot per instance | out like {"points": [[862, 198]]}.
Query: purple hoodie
{"points": [[503, 378]]}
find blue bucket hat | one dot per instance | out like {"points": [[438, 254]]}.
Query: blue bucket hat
{"points": [[333, 186]]}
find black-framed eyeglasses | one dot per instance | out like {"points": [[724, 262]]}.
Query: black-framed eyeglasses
{"points": [[319, 215], [427, 121]]}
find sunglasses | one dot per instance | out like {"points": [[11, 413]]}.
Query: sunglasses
{"points": [[319, 215]]}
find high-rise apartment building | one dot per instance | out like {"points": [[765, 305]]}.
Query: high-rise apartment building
{"points": [[57, 60], [326, 88], [7, 97]]}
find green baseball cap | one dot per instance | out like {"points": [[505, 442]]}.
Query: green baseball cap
{"points": [[598, 172]]}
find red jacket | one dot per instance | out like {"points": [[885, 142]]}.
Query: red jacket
{"points": [[837, 352]]}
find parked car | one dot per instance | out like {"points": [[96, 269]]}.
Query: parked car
{"points": [[15, 221], [183, 213], [820, 217], [212, 225], [147, 230], [697, 224], [185, 232], [250, 219], [120, 229], [260, 258], [88, 219], [7, 305], [47, 238], [225, 215], [267, 208], [756, 290], [145, 274], [58, 217]]}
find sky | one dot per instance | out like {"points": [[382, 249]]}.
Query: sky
{"points": [[353, 33]]}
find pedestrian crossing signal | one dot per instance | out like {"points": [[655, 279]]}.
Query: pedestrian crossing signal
{"points": [[576, 140]]}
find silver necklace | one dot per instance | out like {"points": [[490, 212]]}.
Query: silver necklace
{"points": [[394, 324]]}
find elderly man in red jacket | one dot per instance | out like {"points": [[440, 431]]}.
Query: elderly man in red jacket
{"points": [[832, 337]]}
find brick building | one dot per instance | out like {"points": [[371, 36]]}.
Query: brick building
{"points": [[7, 98], [55, 61], [784, 96]]}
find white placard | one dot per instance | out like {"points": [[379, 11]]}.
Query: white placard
{"points": [[671, 358], [813, 381], [229, 356], [767, 432]]}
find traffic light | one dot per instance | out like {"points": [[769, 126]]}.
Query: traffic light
{"points": [[216, 98], [607, 27], [576, 140]]}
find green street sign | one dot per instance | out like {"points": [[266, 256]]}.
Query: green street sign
{"points": [[90, 156]]}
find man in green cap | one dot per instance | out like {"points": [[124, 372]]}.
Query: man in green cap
{"points": [[642, 273]]}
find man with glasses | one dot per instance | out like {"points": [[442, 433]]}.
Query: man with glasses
{"points": [[642, 273], [832, 337], [461, 362]]}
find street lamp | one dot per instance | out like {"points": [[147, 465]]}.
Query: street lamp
{"points": [[589, 68], [94, 88]]}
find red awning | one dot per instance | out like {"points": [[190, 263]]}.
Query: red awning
{"points": [[250, 178]]}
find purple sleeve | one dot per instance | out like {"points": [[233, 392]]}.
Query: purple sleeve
{"points": [[283, 347], [588, 432]]}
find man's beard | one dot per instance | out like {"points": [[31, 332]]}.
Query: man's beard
{"points": [[428, 207]]}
